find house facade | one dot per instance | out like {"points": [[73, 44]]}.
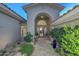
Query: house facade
{"points": [[11, 26], [40, 17]]}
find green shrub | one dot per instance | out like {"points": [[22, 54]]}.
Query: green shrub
{"points": [[68, 39], [2, 52], [36, 33], [28, 38], [26, 49], [57, 33]]}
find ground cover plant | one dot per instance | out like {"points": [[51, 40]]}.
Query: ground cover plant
{"points": [[68, 40], [26, 49]]}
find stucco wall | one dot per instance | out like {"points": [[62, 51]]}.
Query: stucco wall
{"points": [[70, 23], [70, 19], [9, 30], [32, 14], [69, 16]]}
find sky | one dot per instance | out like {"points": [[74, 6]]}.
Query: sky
{"points": [[17, 7]]}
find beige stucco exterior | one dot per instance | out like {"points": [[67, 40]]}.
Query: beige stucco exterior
{"points": [[70, 19], [34, 10], [10, 27], [9, 30]]}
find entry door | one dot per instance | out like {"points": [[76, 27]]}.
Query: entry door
{"points": [[42, 31]]}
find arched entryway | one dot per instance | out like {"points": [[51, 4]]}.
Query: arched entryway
{"points": [[42, 25]]}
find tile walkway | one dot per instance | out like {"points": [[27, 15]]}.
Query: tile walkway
{"points": [[43, 48]]}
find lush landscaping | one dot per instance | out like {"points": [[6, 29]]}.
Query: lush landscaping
{"points": [[68, 40], [26, 49]]}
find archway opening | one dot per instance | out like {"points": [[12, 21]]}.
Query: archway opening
{"points": [[42, 25]]}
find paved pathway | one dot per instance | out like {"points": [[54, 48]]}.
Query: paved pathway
{"points": [[43, 48]]}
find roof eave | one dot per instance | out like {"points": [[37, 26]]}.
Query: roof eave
{"points": [[19, 18], [56, 4]]}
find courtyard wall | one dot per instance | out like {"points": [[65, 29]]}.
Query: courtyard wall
{"points": [[9, 30], [71, 18]]}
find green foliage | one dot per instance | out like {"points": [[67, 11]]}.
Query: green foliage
{"points": [[36, 34], [28, 38], [2, 52], [26, 49], [68, 39], [57, 33]]}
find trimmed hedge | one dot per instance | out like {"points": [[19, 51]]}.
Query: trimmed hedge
{"points": [[68, 39]]}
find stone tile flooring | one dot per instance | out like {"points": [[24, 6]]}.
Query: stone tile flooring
{"points": [[43, 48]]}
